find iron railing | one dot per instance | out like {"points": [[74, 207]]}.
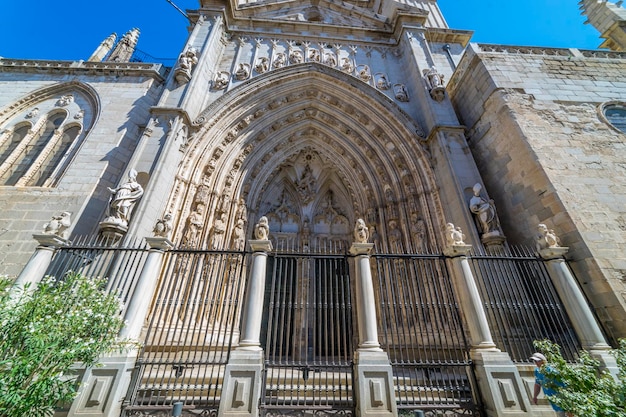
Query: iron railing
{"points": [[522, 304]]}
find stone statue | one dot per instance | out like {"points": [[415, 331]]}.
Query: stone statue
{"points": [[434, 80], [194, 225], [262, 229], [295, 57], [381, 82], [400, 92], [364, 72], [361, 232], [280, 60], [454, 236], [123, 200], [221, 80], [163, 226], [547, 238], [186, 61], [346, 65], [243, 72], [59, 225], [219, 229], [238, 239], [485, 213], [262, 65]]}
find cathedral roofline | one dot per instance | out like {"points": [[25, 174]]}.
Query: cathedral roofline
{"points": [[156, 71]]}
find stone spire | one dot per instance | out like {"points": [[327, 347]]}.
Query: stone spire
{"points": [[125, 47], [609, 19], [103, 49]]}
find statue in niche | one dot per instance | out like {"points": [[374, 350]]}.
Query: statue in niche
{"points": [[123, 200], [314, 55], [454, 235], [224, 203], [306, 233], [243, 71], [221, 80], [238, 240], [395, 236], [346, 65], [306, 184], [400, 92], [547, 238], [59, 225], [262, 65], [280, 60], [163, 226], [217, 234], [242, 211], [434, 80], [418, 230], [195, 224], [295, 57], [361, 232], [392, 205], [186, 61], [484, 212], [262, 229]]}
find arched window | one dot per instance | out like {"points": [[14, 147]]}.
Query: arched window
{"points": [[615, 114], [39, 140]]}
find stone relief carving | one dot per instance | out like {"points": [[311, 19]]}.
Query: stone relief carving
{"points": [[262, 229], [363, 72], [306, 185], [262, 65], [400, 92], [123, 200], [296, 57], [33, 113], [280, 60], [330, 59], [454, 235], [347, 65], [418, 230], [314, 55], [59, 225], [65, 100], [186, 62], [361, 232], [394, 235], [434, 80], [485, 213], [382, 83], [546, 238], [163, 226], [238, 240], [218, 231], [243, 71], [221, 80], [79, 114]]}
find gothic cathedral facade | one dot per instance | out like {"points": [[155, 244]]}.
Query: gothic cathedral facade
{"points": [[326, 208]]}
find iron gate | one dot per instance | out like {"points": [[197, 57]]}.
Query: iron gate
{"points": [[308, 335], [421, 330]]}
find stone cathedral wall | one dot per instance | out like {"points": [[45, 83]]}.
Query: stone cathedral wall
{"points": [[124, 97], [547, 156]]}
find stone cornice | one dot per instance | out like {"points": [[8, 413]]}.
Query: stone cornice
{"points": [[130, 69]]}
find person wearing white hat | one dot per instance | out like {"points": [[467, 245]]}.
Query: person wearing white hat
{"points": [[542, 381]]}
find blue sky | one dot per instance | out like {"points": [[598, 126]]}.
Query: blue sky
{"points": [[72, 29]]}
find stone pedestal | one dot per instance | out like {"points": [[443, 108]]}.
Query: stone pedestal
{"points": [[113, 230], [241, 389], [373, 378], [501, 386]]}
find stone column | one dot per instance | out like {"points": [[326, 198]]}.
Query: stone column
{"points": [[139, 304], [500, 383], [39, 262], [576, 306], [106, 386], [375, 394], [241, 390]]}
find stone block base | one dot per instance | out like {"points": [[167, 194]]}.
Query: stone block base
{"points": [[374, 385], [242, 384]]}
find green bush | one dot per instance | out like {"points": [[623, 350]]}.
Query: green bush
{"points": [[44, 332], [587, 389]]}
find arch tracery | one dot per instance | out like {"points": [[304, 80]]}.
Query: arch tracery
{"points": [[363, 152]]}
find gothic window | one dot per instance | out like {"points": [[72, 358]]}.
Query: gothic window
{"points": [[38, 142], [615, 115]]}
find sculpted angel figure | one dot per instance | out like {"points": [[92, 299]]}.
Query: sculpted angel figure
{"points": [[262, 229], [547, 238], [454, 235], [361, 232]]}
